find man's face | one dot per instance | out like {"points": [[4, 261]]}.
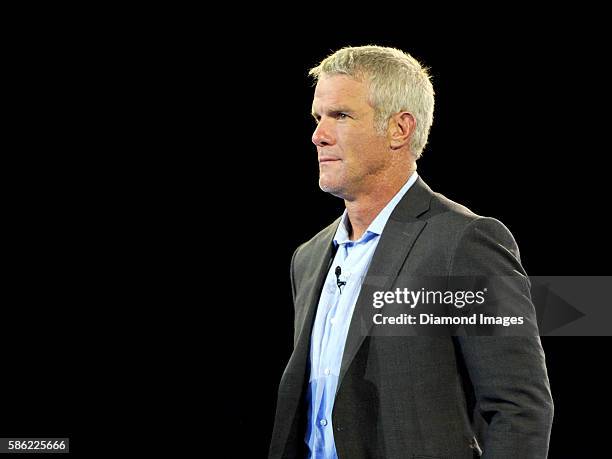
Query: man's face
{"points": [[353, 157]]}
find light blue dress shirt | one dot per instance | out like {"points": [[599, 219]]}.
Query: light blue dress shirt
{"points": [[332, 322]]}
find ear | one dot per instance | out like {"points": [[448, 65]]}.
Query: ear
{"points": [[401, 127]]}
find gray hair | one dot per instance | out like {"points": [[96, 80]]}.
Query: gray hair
{"points": [[397, 82]]}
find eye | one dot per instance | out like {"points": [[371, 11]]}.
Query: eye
{"points": [[341, 116]]}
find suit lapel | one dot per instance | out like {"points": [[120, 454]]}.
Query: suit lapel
{"points": [[396, 241], [308, 305]]}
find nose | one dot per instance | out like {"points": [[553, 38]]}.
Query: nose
{"points": [[322, 135]]}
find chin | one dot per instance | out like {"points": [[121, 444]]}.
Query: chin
{"points": [[326, 185], [331, 188]]}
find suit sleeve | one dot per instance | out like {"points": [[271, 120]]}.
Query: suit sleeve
{"points": [[508, 373]]}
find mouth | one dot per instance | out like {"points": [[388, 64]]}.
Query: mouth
{"points": [[328, 159]]}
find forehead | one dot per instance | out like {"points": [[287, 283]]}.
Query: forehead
{"points": [[340, 90]]}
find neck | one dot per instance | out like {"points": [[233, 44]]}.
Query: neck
{"points": [[363, 210]]}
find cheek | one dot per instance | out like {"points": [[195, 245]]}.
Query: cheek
{"points": [[368, 150], [356, 144]]}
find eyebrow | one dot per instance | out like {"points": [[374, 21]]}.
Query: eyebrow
{"points": [[333, 111]]}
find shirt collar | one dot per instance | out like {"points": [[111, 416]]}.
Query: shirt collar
{"points": [[378, 224]]}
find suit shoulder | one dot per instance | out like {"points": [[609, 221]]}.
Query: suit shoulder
{"points": [[450, 214], [319, 240], [460, 218]]}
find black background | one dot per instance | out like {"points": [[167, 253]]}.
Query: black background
{"points": [[149, 146]]}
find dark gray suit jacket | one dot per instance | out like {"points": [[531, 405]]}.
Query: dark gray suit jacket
{"points": [[416, 396]]}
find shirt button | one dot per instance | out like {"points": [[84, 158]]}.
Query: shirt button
{"points": [[323, 422], [327, 371], [332, 320]]}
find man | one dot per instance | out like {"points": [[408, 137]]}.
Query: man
{"points": [[351, 394]]}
